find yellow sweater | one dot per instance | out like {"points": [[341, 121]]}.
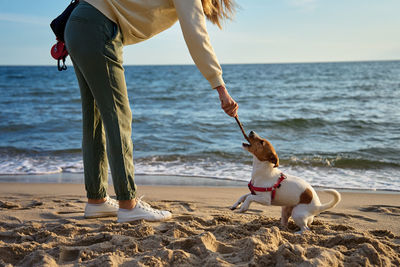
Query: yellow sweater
{"points": [[139, 20]]}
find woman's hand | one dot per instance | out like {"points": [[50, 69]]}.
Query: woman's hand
{"points": [[227, 103]]}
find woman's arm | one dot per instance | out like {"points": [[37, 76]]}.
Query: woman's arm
{"points": [[193, 24]]}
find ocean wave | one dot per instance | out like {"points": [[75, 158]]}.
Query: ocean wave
{"points": [[301, 123], [198, 162], [340, 162], [39, 167], [10, 128], [15, 76], [317, 175], [19, 161], [27, 152], [350, 125]]}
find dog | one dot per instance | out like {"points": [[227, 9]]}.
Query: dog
{"points": [[269, 186]]}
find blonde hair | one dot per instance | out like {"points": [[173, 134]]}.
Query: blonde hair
{"points": [[218, 10]]}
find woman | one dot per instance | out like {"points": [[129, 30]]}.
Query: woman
{"points": [[95, 34]]}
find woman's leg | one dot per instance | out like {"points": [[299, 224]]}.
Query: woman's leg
{"points": [[95, 160], [95, 46]]}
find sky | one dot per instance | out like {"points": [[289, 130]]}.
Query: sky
{"points": [[263, 31]]}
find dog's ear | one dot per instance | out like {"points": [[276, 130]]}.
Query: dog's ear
{"points": [[274, 159]]}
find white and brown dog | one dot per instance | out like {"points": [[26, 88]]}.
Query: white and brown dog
{"points": [[269, 186]]}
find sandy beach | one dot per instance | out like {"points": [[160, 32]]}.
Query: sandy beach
{"points": [[43, 225]]}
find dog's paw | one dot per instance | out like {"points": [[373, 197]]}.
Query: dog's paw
{"points": [[302, 231], [236, 205], [242, 210]]}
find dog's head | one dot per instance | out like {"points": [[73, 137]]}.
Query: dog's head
{"points": [[262, 149]]}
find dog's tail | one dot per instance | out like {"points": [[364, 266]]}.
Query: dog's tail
{"points": [[332, 203]]}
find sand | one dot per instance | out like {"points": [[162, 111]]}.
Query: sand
{"points": [[43, 225]]}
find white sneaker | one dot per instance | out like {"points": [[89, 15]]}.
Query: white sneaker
{"points": [[106, 209], [143, 211]]}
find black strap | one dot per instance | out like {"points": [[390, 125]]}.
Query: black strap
{"points": [[63, 66]]}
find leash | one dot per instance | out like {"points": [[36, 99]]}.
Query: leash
{"points": [[241, 128]]}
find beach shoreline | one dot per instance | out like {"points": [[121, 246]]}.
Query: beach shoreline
{"points": [[162, 180], [44, 223]]}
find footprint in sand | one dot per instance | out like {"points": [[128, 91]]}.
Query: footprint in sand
{"points": [[68, 254], [50, 215], [345, 215], [70, 212], [9, 205], [386, 209], [185, 206], [34, 204], [201, 245]]}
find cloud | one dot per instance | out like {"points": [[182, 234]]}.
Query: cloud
{"points": [[26, 19]]}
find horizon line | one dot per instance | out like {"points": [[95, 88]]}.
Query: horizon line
{"points": [[256, 63]]}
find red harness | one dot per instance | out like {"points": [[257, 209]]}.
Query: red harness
{"points": [[271, 189]]}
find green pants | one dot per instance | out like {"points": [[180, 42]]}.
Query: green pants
{"points": [[95, 45]]}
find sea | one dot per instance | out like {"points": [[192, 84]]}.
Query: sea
{"points": [[335, 125]]}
